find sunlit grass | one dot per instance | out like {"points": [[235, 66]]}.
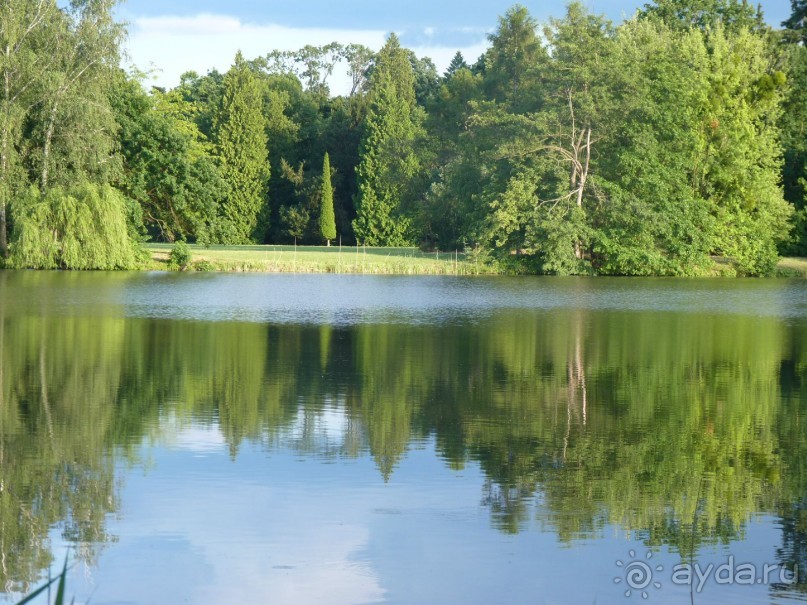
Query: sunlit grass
{"points": [[378, 261], [322, 259], [792, 267]]}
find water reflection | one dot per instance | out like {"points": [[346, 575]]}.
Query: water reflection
{"points": [[679, 426]]}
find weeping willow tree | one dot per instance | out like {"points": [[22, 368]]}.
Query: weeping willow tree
{"points": [[79, 228]]}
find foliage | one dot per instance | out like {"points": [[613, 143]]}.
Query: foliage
{"points": [[387, 161], [741, 167], [575, 146], [79, 228], [242, 151], [56, 128], [702, 14], [180, 257], [295, 220], [793, 126], [327, 221], [168, 168], [513, 59], [797, 22], [457, 63]]}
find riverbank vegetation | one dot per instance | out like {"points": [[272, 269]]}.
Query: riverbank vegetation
{"points": [[576, 146], [318, 259], [367, 260]]}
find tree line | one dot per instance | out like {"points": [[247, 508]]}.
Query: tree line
{"points": [[576, 146]]}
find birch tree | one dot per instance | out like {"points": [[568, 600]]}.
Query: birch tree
{"points": [[23, 65]]}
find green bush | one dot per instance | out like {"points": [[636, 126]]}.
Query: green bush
{"points": [[180, 256], [203, 265]]}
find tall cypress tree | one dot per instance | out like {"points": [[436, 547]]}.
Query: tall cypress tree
{"points": [[387, 158], [242, 146], [327, 220]]}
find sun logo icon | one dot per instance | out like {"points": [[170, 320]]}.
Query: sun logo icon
{"points": [[638, 574]]}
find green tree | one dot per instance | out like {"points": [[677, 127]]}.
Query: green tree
{"points": [[694, 171], [294, 127], [303, 202], [387, 158], [457, 63], [702, 14], [205, 93], [511, 63], [740, 166], [24, 34], [242, 150], [167, 163], [56, 66], [653, 222], [793, 126], [327, 220], [447, 208], [79, 228], [797, 22], [342, 137], [427, 80], [73, 126]]}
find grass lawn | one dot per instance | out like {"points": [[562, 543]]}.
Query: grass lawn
{"points": [[350, 259], [792, 267], [322, 259]]}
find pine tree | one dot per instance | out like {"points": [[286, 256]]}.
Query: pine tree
{"points": [[513, 57], [242, 146], [387, 157], [797, 23], [457, 63], [327, 220]]}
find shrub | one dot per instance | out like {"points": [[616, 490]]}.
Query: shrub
{"points": [[180, 256], [203, 265]]}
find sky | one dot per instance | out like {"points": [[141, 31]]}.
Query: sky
{"points": [[168, 39]]}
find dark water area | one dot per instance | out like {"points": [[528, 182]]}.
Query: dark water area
{"points": [[217, 438]]}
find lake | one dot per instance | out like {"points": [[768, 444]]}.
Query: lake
{"points": [[305, 439]]}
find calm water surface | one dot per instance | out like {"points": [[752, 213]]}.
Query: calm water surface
{"points": [[292, 439]]}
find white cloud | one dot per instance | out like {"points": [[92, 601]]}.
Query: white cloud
{"points": [[172, 45], [200, 24], [442, 55]]}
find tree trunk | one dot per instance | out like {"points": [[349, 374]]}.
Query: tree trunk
{"points": [[578, 249], [47, 146], [3, 227], [4, 180]]}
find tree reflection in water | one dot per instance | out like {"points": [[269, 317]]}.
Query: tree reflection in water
{"points": [[677, 426]]}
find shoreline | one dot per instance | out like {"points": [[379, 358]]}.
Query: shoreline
{"points": [[368, 261], [350, 260]]}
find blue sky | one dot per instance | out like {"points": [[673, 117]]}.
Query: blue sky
{"points": [[201, 34]]}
